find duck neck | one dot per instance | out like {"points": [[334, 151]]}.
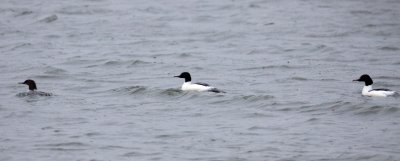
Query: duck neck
{"points": [[366, 89], [32, 87], [188, 79]]}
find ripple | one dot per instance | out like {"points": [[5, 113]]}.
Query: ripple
{"points": [[62, 149], [389, 48], [254, 98], [138, 62], [20, 45], [257, 115], [382, 25], [49, 19], [50, 76], [271, 67], [171, 92], [66, 146], [362, 108], [372, 110], [82, 10], [23, 12], [53, 70], [361, 12], [33, 94], [322, 107], [93, 134], [136, 154], [131, 90], [115, 147], [79, 60], [332, 35], [130, 63], [321, 48], [313, 119], [299, 78], [185, 55], [255, 128], [388, 77]]}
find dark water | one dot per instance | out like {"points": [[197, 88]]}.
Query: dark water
{"points": [[287, 67]]}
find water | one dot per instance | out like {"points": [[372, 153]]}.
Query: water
{"points": [[287, 67]]}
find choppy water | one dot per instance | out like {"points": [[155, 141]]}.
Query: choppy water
{"points": [[286, 66]]}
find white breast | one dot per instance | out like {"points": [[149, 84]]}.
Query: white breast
{"points": [[188, 86], [368, 91]]}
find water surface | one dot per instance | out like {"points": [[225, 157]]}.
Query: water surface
{"points": [[287, 67]]}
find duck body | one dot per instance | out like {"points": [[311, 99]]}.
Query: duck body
{"points": [[33, 89], [200, 87], [369, 91]]}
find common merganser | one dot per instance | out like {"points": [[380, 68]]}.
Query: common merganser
{"points": [[189, 86], [368, 91], [32, 88]]}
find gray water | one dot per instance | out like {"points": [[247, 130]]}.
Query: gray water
{"points": [[287, 67]]}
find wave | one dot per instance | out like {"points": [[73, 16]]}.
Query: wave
{"points": [[82, 10], [171, 92], [382, 25], [346, 107], [122, 62], [49, 19], [54, 70], [361, 12], [33, 94], [66, 146], [272, 67], [245, 100], [389, 48], [375, 109], [130, 90]]}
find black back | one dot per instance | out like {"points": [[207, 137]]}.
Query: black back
{"points": [[215, 90], [381, 89], [365, 78]]}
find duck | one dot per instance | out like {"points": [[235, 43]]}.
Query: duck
{"points": [[368, 91], [200, 87], [33, 89]]}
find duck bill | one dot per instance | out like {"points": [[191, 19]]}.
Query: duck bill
{"points": [[21, 83], [177, 76], [356, 80]]}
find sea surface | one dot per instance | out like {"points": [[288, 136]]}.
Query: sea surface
{"points": [[286, 65]]}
